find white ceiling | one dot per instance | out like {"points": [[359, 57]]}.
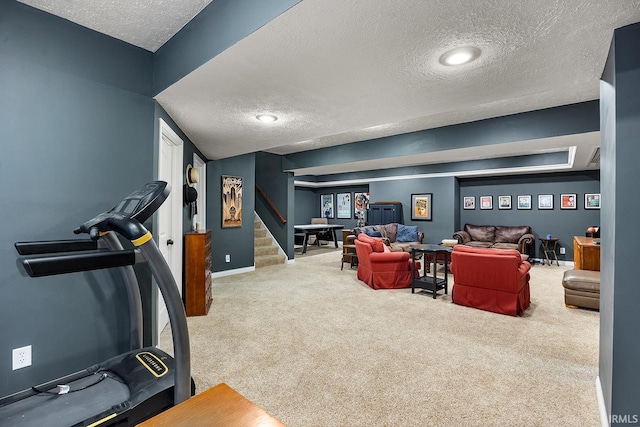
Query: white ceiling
{"points": [[339, 71]]}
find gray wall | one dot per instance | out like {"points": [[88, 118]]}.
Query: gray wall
{"points": [[561, 223], [619, 371], [236, 242], [443, 191], [307, 202], [76, 125], [275, 183]]}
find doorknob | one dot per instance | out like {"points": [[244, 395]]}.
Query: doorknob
{"points": [[170, 242]]}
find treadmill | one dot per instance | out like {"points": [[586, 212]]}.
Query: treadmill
{"points": [[131, 387]]}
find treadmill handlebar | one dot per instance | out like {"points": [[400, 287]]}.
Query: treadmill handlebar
{"points": [[112, 221]]}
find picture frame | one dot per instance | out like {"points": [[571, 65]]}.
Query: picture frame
{"points": [[421, 207], [545, 201], [326, 206], [469, 202], [504, 202], [486, 202], [231, 195], [592, 201], [343, 205], [524, 201], [568, 201]]}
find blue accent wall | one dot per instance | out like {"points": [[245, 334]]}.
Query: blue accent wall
{"points": [[76, 128], [236, 242], [619, 371]]}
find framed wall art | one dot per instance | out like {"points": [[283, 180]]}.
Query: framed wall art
{"points": [[421, 207], [469, 202], [568, 201], [504, 202], [326, 205], [592, 201], [524, 201], [545, 201], [231, 201], [343, 205], [486, 202]]}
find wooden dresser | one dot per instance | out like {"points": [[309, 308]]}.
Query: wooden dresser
{"points": [[197, 273], [586, 254]]}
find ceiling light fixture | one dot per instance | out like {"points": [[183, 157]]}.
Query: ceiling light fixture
{"points": [[460, 55], [266, 118]]}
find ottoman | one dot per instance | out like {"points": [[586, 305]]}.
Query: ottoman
{"points": [[581, 289]]}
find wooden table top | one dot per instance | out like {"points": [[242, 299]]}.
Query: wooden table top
{"points": [[219, 406]]}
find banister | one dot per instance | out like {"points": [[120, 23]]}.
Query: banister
{"points": [[270, 204]]}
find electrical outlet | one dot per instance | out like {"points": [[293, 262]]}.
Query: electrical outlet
{"points": [[21, 357], [227, 258], [562, 251]]}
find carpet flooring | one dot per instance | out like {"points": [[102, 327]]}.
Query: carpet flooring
{"points": [[315, 346]]}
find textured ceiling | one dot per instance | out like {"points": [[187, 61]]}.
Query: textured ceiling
{"points": [[339, 71]]}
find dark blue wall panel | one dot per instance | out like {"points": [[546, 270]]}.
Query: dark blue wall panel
{"points": [[76, 128]]}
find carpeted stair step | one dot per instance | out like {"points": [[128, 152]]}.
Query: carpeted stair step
{"points": [[259, 232], [265, 250], [266, 260], [263, 241]]}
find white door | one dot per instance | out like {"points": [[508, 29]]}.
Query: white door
{"points": [[201, 187], [169, 225]]}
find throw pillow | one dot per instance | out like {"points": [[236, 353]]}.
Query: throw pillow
{"points": [[372, 233], [375, 242], [407, 233]]}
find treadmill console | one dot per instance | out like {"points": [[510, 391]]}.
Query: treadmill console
{"points": [[139, 205]]}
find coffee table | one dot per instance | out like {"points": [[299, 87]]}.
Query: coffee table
{"points": [[430, 282]]}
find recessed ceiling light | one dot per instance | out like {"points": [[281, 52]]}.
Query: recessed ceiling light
{"points": [[266, 118], [460, 55]]}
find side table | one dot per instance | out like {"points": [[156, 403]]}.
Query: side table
{"points": [[430, 282], [549, 246], [349, 255]]}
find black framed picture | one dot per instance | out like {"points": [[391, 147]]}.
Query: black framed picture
{"points": [[343, 205], [504, 202], [421, 207], [469, 202], [326, 205], [592, 201], [545, 201], [524, 201]]}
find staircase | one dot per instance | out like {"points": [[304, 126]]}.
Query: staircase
{"points": [[266, 250]]}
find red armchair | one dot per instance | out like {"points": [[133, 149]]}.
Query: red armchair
{"points": [[380, 268], [490, 279]]}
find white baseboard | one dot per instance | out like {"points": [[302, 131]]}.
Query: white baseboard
{"points": [[232, 272], [602, 408]]}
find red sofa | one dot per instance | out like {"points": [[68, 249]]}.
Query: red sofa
{"points": [[381, 268], [490, 279]]}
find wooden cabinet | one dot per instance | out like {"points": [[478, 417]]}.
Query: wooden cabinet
{"points": [[386, 213], [586, 254], [197, 273]]}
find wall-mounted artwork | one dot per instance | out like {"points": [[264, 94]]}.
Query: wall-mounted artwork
{"points": [[343, 206], [360, 206], [592, 201], [545, 201], [568, 201], [504, 202], [326, 205], [231, 201], [469, 202], [524, 201], [486, 202], [421, 207]]}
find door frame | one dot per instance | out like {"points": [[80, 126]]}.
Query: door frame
{"points": [[168, 135], [201, 187]]}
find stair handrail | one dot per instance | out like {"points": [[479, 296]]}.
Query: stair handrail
{"points": [[270, 204]]}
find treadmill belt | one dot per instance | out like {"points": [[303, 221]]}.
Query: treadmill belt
{"points": [[64, 410]]}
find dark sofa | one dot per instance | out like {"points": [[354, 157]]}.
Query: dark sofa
{"points": [[517, 237], [397, 236]]}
